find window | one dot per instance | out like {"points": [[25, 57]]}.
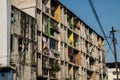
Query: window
{"points": [[11, 42], [20, 44], [53, 44]]}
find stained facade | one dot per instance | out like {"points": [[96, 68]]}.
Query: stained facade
{"points": [[49, 42]]}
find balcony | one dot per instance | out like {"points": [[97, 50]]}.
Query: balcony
{"points": [[55, 10], [54, 26], [46, 27], [45, 64], [78, 59], [45, 72], [92, 63], [71, 55], [54, 68], [76, 73], [70, 39], [76, 41], [77, 23], [70, 21]]}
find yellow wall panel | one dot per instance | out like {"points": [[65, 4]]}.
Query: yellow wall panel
{"points": [[57, 14], [70, 39]]}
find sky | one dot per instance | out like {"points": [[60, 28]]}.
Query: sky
{"points": [[108, 12]]}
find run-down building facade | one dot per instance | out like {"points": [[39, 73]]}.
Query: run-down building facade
{"points": [[49, 42]]}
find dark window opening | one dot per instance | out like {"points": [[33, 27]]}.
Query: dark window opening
{"points": [[53, 44], [20, 44], [38, 11], [11, 42], [38, 33]]}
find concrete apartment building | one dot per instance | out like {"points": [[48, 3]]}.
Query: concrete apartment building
{"points": [[111, 71], [49, 42]]}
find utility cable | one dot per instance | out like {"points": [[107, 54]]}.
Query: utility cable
{"points": [[108, 49], [99, 23]]}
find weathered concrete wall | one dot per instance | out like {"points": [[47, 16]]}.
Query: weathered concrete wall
{"points": [[24, 61]]}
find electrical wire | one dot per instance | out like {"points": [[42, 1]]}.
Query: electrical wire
{"points": [[108, 49], [99, 23]]}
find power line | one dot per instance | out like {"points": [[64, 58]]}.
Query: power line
{"points": [[99, 23], [108, 48]]}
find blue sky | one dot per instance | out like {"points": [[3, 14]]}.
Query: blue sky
{"points": [[108, 12]]}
